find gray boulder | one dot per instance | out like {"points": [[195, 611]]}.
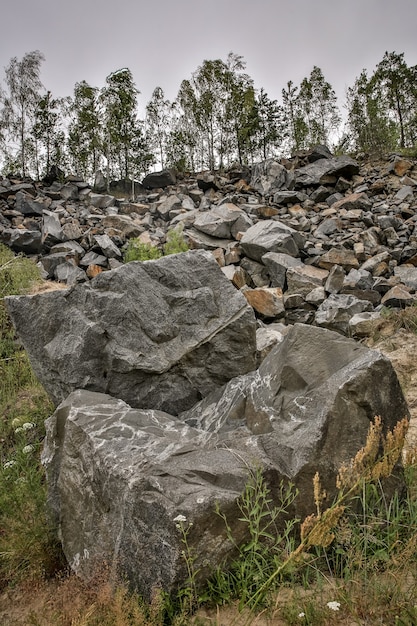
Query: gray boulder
{"points": [[326, 170], [271, 236], [159, 334], [119, 477], [160, 179], [270, 176], [335, 312]]}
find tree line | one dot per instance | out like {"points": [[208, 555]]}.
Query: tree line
{"points": [[217, 118]]}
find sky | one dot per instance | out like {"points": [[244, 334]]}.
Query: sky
{"points": [[163, 42]]}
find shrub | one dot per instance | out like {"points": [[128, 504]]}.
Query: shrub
{"points": [[139, 251]]}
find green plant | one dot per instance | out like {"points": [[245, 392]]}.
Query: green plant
{"points": [[180, 606], [266, 549], [175, 241], [26, 544], [139, 251]]}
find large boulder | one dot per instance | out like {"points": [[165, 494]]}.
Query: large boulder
{"points": [[270, 176], [119, 477], [159, 334], [271, 236], [164, 178], [326, 171]]}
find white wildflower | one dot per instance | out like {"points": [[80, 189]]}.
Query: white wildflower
{"points": [[180, 518], [334, 606], [18, 430], [28, 426], [16, 422], [28, 449], [300, 615], [9, 464]]}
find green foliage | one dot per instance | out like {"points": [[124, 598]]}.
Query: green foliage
{"points": [[26, 545], [17, 275], [266, 549], [175, 242], [139, 251], [19, 105]]}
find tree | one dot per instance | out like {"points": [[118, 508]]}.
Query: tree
{"points": [[293, 117], [370, 128], [396, 84], [20, 102], [271, 131], [158, 119], [85, 131], [318, 106], [122, 131], [47, 131]]}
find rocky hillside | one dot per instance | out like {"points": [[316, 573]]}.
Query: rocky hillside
{"points": [[318, 239]]}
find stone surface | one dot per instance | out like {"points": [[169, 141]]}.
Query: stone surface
{"points": [[270, 176], [160, 334], [271, 236], [159, 179], [118, 477], [324, 170]]}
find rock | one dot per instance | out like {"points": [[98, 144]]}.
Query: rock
{"points": [[271, 236], [401, 166], [100, 182], [159, 179], [22, 240], [100, 201], [398, 297], [277, 265], [55, 174], [270, 176], [119, 477], [266, 301], [335, 312], [207, 181], [303, 278], [109, 249], [353, 201], [51, 229], [408, 275], [339, 256], [160, 334], [326, 170], [223, 221], [405, 193], [26, 205], [69, 273], [267, 337], [363, 324]]}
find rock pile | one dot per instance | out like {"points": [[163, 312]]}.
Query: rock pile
{"points": [[167, 390], [318, 239]]}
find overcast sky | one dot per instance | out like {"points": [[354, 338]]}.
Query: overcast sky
{"points": [[164, 41]]}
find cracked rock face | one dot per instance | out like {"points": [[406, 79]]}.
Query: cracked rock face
{"points": [[118, 477], [159, 334]]}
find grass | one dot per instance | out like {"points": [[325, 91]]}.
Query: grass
{"points": [[354, 562]]}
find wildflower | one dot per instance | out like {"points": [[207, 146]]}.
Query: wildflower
{"points": [[28, 449], [333, 605], [180, 518], [301, 615], [16, 422], [9, 464], [18, 430], [28, 426]]}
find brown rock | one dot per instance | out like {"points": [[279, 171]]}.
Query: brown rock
{"points": [[267, 301]]}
